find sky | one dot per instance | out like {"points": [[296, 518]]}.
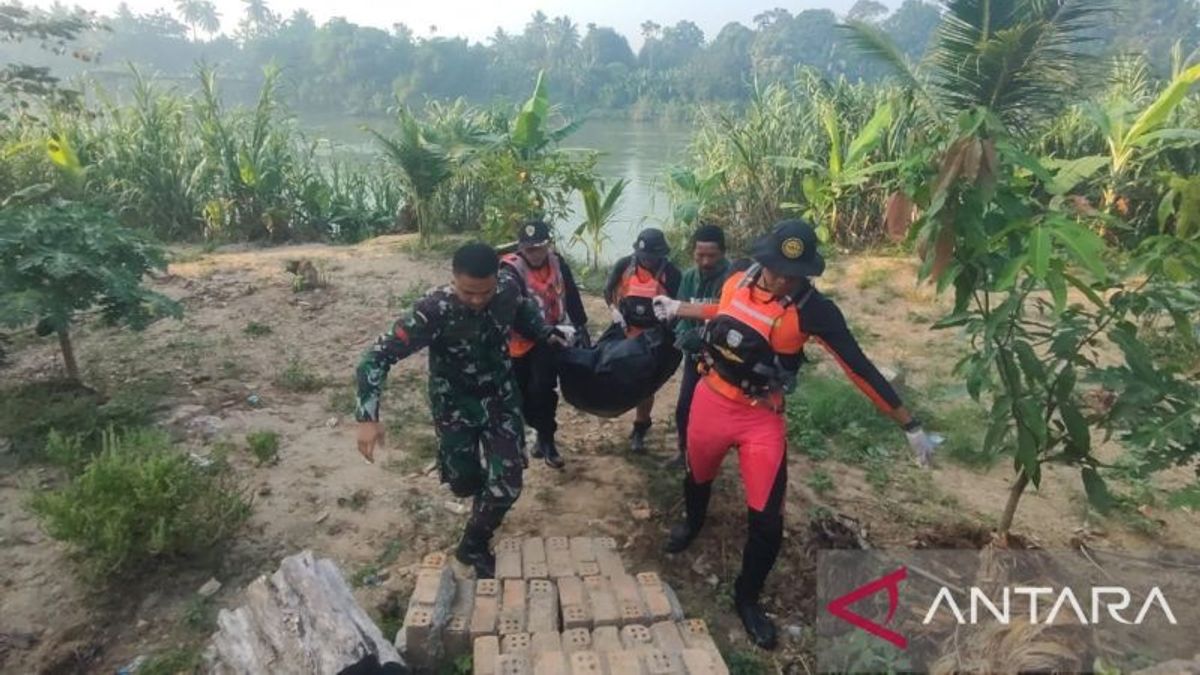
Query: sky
{"points": [[478, 19]]}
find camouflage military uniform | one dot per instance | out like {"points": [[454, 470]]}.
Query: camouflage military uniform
{"points": [[472, 392]]}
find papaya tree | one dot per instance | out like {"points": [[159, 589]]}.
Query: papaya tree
{"points": [[59, 261], [1040, 296]]}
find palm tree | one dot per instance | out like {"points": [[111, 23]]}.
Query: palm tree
{"points": [[189, 11], [208, 17], [421, 165]]}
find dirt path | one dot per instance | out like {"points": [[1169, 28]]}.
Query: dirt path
{"points": [[377, 521]]}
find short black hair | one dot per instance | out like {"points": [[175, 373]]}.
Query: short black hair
{"points": [[476, 260], [709, 233]]}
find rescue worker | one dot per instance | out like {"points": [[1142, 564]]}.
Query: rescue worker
{"points": [[547, 280], [632, 285], [701, 285], [752, 349], [472, 393]]}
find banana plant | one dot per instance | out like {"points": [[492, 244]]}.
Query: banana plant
{"points": [[1132, 138], [845, 172], [693, 195], [599, 206], [421, 165]]}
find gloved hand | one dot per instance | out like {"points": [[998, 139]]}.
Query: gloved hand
{"points": [[584, 339], [665, 308], [617, 317], [555, 337], [923, 444], [567, 332]]}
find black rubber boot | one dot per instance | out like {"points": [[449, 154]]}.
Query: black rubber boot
{"points": [[637, 440], [695, 498], [473, 552], [758, 625], [763, 541], [547, 449]]}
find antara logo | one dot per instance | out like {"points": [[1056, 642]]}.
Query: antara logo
{"points": [[1107, 602]]}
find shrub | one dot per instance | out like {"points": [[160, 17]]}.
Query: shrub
{"points": [[298, 378], [264, 445], [139, 503]]}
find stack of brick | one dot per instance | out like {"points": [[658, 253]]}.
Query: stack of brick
{"points": [[557, 605]]}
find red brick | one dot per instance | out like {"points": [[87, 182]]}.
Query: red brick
{"points": [[551, 663], [418, 635], [457, 634], [485, 614], [606, 639], [636, 637], [516, 643], [429, 586], [486, 654], [576, 640], [513, 596], [703, 662], [571, 592], [586, 663], [667, 637], [610, 562], [696, 636], [544, 643], [659, 662], [582, 550], [487, 587], [514, 664], [543, 607], [533, 558], [624, 662], [558, 557], [603, 602], [655, 598], [629, 600], [508, 559], [435, 560], [576, 616]]}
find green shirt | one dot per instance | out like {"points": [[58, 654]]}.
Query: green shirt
{"points": [[699, 288]]}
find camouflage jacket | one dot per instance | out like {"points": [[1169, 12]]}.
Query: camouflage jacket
{"points": [[469, 367]]}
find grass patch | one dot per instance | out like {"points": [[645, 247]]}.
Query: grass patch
{"points": [[171, 662], [264, 445], [343, 401], [200, 614], [28, 413], [408, 297], [418, 451], [745, 662], [298, 377], [255, 329], [141, 503], [876, 276], [828, 409], [820, 482], [438, 245], [963, 426]]}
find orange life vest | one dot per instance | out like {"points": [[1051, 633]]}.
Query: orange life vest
{"points": [[737, 356], [547, 290], [635, 296]]}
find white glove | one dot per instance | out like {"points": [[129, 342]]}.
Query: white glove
{"points": [[568, 332], [617, 317], [665, 308], [923, 444]]}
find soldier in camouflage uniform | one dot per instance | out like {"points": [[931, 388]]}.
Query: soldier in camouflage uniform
{"points": [[472, 392]]}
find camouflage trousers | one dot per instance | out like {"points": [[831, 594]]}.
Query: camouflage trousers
{"points": [[486, 462]]}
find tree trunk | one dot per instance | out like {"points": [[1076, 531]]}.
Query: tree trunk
{"points": [[1014, 497], [301, 619], [68, 352]]}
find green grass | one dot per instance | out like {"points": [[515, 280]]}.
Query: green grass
{"points": [[343, 401], [820, 482], [826, 409], [142, 503], [200, 615], [745, 662], [876, 276], [264, 445], [172, 662], [963, 426], [255, 329], [298, 377], [408, 297], [29, 412], [418, 449]]}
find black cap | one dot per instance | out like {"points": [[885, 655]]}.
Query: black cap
{"points": [[790, 249], [534, 233], [651, 243]]}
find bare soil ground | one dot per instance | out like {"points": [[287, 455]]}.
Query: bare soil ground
{"points": [[378, 521]]}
